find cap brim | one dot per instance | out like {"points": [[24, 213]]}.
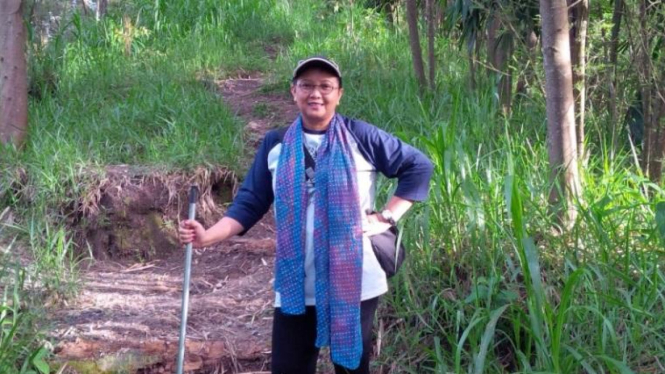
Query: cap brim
{"points": [[314, 62]]}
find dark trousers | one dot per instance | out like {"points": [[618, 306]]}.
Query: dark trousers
{"points": [[293, 338]]}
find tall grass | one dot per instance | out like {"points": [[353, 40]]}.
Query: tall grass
{"points": [[502, 291], [136, 88], [20, 350], [489, 287], [21, 347]]}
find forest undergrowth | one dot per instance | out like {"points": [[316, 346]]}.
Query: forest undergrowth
{"points": [[492, 284]]}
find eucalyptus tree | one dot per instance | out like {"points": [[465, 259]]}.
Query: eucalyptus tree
{"points": [[431, 33], [100, 10], [500, 47], [97, 6], [579, 20], [414, 42], [617, 15], [562, 144], [648, 41], [13, 74]]}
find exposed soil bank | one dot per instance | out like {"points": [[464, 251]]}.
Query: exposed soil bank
{"points": [[133, 212]]}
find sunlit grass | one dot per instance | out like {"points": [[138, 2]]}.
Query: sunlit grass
{"points": [[489, 286]]}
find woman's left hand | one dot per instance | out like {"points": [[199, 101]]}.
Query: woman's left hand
{"points": [[375, 225]]}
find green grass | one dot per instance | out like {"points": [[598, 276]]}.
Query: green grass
{"points": [[22, 349], [488, 286], [127, 90]]}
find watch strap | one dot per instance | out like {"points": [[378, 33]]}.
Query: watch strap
{"points": [[388, 217]]}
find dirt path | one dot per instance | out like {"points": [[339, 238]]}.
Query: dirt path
{"points": [[126, 318]]}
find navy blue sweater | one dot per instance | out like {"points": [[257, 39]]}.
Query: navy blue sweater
{"points": [[387, 153]]}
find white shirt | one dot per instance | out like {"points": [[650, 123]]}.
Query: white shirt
{"points": [[374, 282]]}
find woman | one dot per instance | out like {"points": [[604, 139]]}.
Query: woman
{"points": [[321, 172]]}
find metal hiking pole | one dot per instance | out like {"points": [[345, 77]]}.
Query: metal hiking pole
{"points": [[193, 192]]}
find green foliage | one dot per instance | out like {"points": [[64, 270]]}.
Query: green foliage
{"points": [[487, 251], [489, 287], [245, 20], [21, 349]]}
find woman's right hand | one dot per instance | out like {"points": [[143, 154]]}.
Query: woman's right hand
{"points": [[191, 231]]}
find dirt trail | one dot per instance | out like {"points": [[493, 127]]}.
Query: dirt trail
{"points": [[126, 318]]}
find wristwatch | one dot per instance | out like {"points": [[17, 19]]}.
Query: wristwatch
{"points": [[387, 216]]}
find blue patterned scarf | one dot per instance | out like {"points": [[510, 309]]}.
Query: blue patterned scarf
{"points": [[337, 239]]}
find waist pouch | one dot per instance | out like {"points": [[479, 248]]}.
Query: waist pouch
{"points": [[389, 250]]}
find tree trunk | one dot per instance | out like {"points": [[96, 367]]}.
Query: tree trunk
{"points": [[431, 28], [492, 31], [499, 52], [506, 80], [562, 146], [13, 74], [472, 68], [477, 45], [531, 41], [650, 66], [100, 12], [441, 11], [654, 131], [616, 27], [612, 63], [88, 6], [414, 41], [390, 13], [578, 32]]}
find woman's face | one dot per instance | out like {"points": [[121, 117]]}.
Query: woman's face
{"points": [[317, 106]]}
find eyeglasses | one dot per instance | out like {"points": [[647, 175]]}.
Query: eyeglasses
{"points": [[324, 88]]}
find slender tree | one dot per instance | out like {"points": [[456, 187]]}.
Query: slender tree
{"points": [[617, 15], [650, 66], [579, 15], [100, 11], [562, 145], [530, 44], [431, 32], [13, 74], [414, 41], [86, 5], [499, 52], [493, 25]]}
